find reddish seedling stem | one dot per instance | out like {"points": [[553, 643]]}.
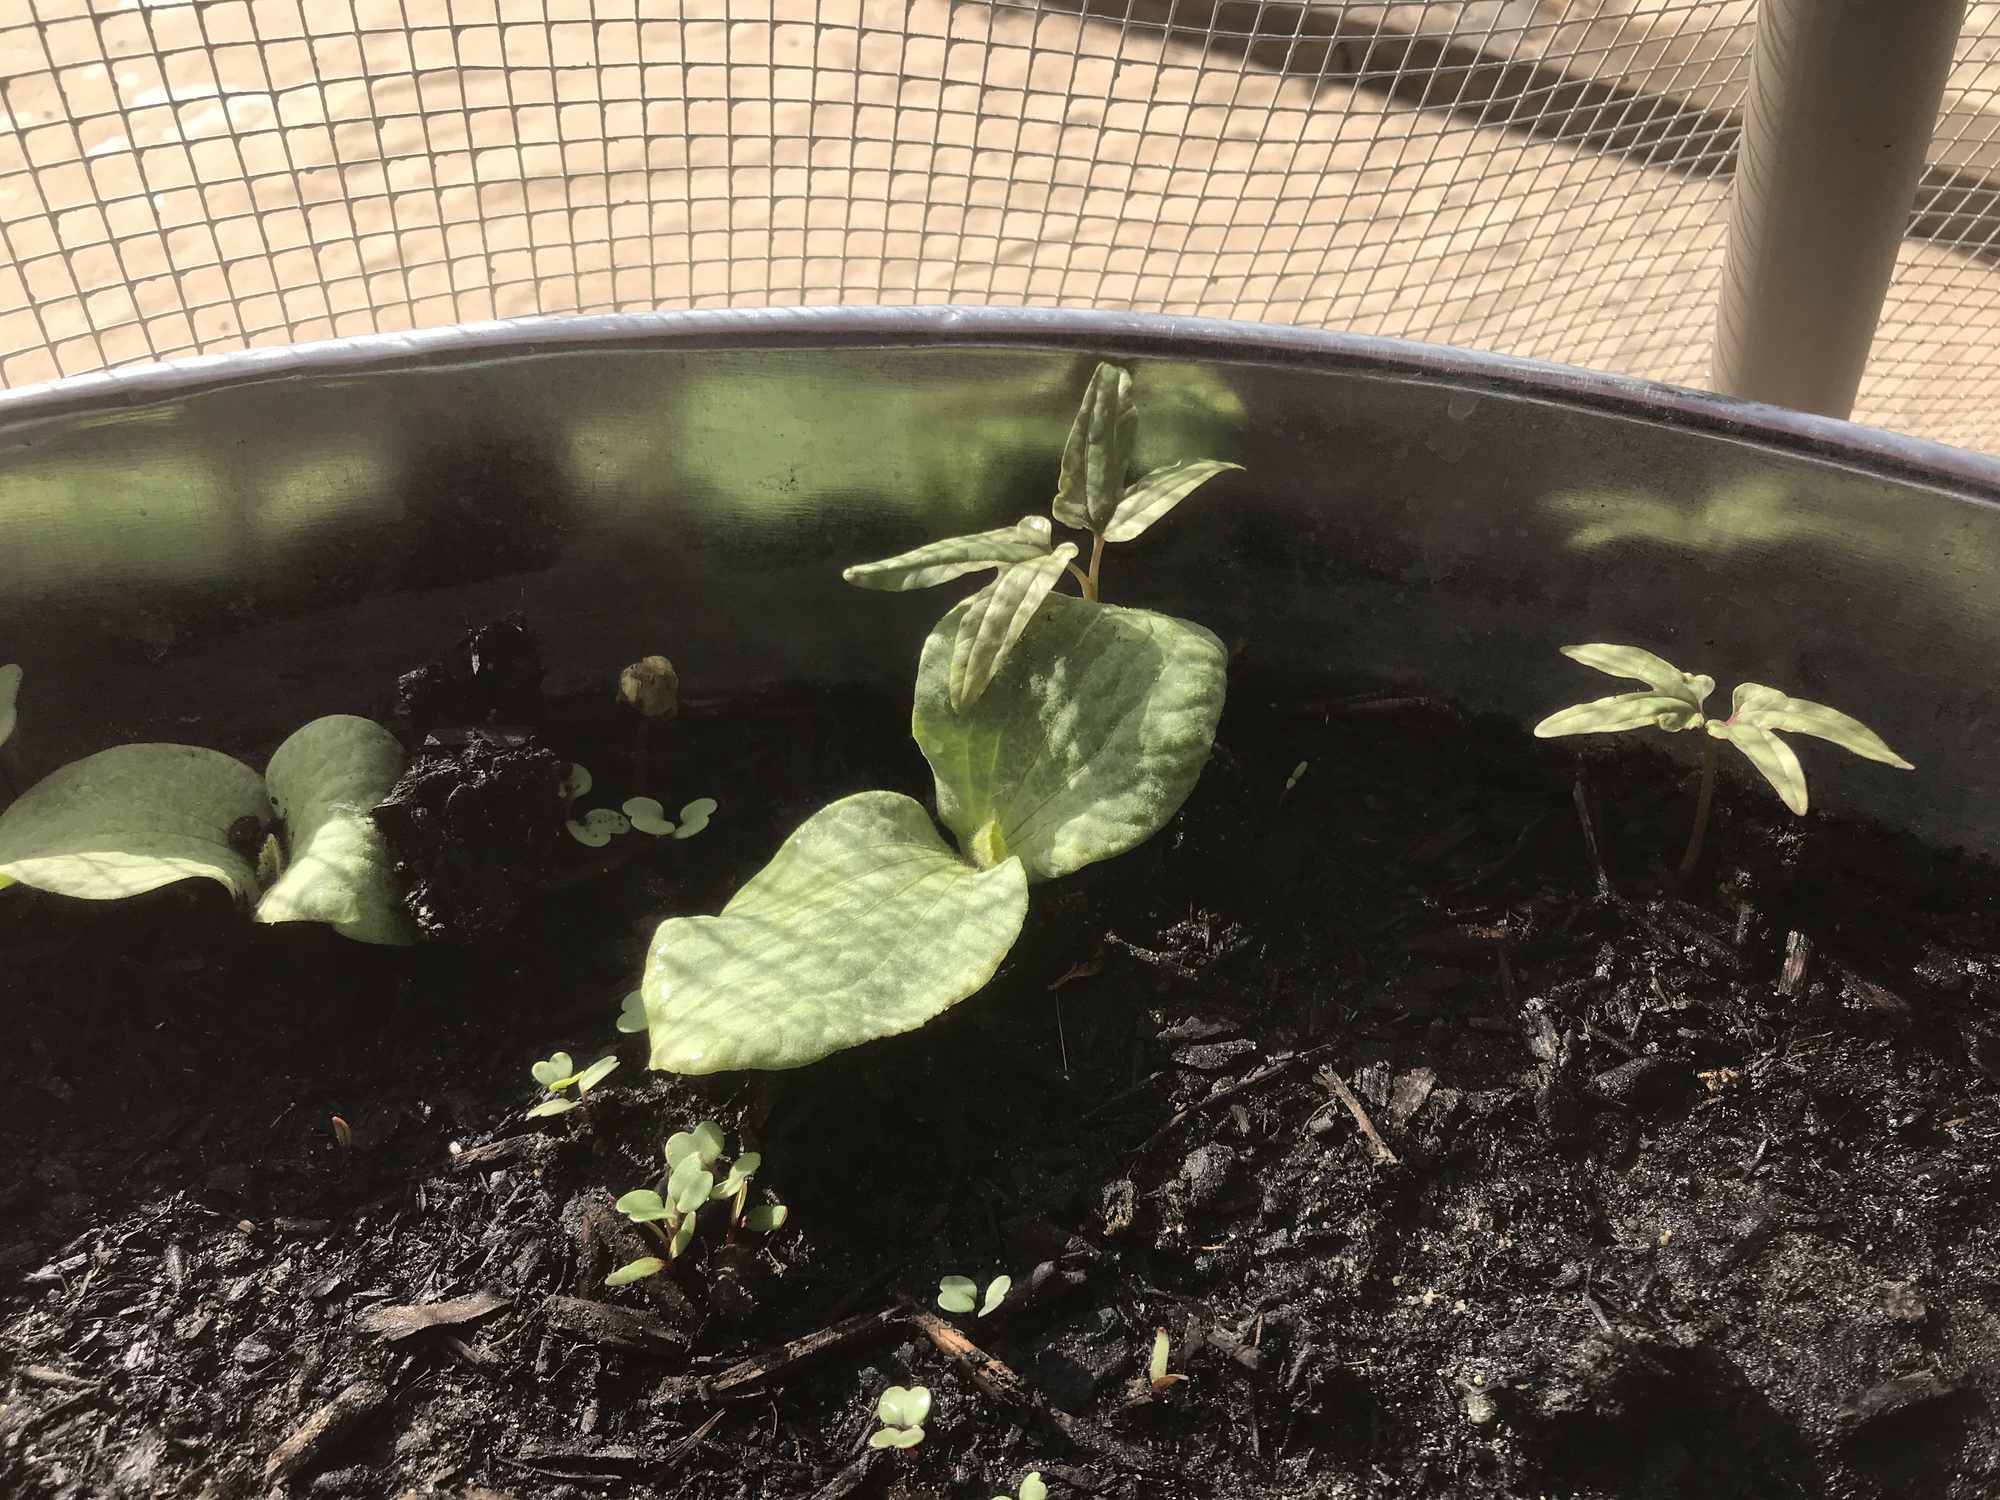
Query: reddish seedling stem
{"points": [[1704, 799]]}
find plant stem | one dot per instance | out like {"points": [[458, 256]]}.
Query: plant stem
{"points": [[1096, 562], [1704, 799], [1083, 583]]}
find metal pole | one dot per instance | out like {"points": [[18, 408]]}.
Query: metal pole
{"points": [[1844, 95]]}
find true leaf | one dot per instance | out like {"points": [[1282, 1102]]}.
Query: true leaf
{"points": [[132, 819], [1770, 755], [1659, 674], [957, 1294], [1087, 741], [1767, 708], [954, 556], [1621, 711], [636, 1270], [10, 692], [863, 926], [1158, 491], [323, 782], [1098, 452], [994, 619]]}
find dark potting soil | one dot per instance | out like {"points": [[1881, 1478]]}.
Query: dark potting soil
{"points": [[1448, 1169]]}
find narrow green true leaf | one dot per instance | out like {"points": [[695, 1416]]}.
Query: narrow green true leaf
{"points": [[1087, 741], [994, 619], [549, 1107], [1767, 708], [865, 925], [1770, 755], [134, 818], [904, 1406], [954, 556], [766, 1217], [642, 1206], [957, 1294], [10, 692], [1622, 711], [1158, 491], [636, 1270], [323, 782], [1099, 451], [996, 1293], [1157, 1369], [1659, 674], [595, 1074]]}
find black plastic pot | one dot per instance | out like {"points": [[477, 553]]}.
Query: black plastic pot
{"points": [[219, 550]]}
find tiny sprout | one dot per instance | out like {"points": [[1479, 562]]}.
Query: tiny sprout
{"points": [[558, 1073], [902, 1411], [632, 1014], [647, 815], [959, 1294], [1032, 1488], [1156, 1370], [343, 1134], [1672, 700]]}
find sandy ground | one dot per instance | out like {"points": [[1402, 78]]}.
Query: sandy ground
{"points": [[184, 178]]}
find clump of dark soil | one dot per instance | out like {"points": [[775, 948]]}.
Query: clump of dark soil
{"points": [[1450, 1166]]}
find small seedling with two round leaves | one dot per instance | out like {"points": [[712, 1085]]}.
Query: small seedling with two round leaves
{"points": [[1673, 700], [1032, 1488], [670, 1211], [601, 825], [902, 1411], [960, 1294], [558, 1073]]}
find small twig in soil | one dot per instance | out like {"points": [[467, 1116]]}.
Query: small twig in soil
{"points": [[1335, 1085], [1173, 968], [393, 1323], [748, 1376], [613, 1327], [1264, 1074], [324, 1429]]}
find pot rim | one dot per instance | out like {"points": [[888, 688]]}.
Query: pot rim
{"points": [[1112, 333]]}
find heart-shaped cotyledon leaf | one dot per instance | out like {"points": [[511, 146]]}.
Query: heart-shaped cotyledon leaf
{"points": [[864, 925], [1087, 741]]}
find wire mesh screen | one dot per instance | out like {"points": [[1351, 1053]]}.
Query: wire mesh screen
{"points": [[1541, 177]]}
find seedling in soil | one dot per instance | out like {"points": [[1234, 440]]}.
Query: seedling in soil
{"points": [[960, 1294], [901, 1410], [670, 1212], [1060, 731], [601, 825], [1157, 1376], [1672, 700], [1032, 1488], [558, 1073], [652, 689]]}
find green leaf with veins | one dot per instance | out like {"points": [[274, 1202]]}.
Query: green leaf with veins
{"points": [[1767, 708], [1770, 755], [1659, 674], [864, 925], [1621, 711], [1099, 451], [1159, 491], [1088, 740], [994, 619], [955, 556], [324, 782]]}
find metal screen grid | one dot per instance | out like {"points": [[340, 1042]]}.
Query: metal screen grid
{"points": [[1543, 177]]}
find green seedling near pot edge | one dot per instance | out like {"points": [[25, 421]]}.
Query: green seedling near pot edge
{"points": [[960, 1294], [902, 1411], [1060, 731], [557, 1073], [670, 1212], [1032, 1488], [1673, 701]]}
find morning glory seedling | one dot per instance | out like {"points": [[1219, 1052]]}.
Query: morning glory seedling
{"points": [[960, 1294], [902, 1410], [1672, 700], [1032, 1488], [557, 1073]]}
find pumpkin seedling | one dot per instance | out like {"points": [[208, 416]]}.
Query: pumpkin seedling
{"points": [[557, 1073], [1673, 700], [1032, 1488], [670, 1212], [901, 1410], [1156, 1369], [960, 1294]]}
